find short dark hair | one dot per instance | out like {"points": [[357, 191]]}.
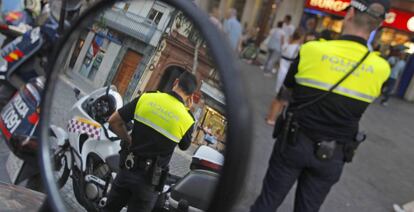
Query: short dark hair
{"points": [[187, 82], [326, 34], [297, 35], [367, 22], [280, 24], [288, 17]]}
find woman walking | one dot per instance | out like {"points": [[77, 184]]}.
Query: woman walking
{"points": [[289, 53]]}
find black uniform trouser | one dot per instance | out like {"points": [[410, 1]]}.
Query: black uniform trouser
{"points": [[298, 163], [131, 189]]}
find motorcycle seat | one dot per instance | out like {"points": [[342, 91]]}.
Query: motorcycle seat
{"points": [[197, 188], [113, 162]]}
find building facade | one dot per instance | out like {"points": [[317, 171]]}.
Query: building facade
{"points": [[120, 44]]}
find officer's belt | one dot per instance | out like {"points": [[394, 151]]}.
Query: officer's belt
{"points": [[139, 162]]}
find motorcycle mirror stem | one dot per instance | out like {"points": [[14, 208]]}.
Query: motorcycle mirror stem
{"points": [[107, 90], [61, 27]]}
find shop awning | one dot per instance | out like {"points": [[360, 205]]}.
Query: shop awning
{"points": [[213, 93]]}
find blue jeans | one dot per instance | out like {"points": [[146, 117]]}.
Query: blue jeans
{"points": [[273, 56], [387, 89]]}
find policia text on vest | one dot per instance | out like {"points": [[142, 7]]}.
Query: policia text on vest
{"points": [[165, 114], [322, 69]]}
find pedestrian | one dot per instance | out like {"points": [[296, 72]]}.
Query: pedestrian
{"points": [[233, 29], [398, 65], [289, 54], [318, 133], [161, 122], [215, 18], [274, 48], [288, 27], [249, 50]]}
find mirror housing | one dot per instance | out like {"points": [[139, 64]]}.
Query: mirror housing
{"points": [[237, 110]]}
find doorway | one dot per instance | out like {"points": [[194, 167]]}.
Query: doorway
{"points": [[126, 71]]}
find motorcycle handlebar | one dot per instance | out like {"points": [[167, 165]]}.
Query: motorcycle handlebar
{"points": [[107, 134]]}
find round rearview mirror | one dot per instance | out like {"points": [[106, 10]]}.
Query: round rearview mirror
{"points": [[144, 108]]}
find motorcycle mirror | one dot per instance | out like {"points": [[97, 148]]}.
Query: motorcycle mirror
{"points": [[141, 47]]}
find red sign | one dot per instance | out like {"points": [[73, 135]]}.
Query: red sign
{"points": [[335, 7], [399, 19]]}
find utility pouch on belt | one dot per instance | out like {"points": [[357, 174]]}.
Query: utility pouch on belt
{"points": [[155, 173], [325, 150], [351, 147], [163, 180], [285, 130]]}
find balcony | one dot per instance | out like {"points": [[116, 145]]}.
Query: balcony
{"points": [[133, 25]]}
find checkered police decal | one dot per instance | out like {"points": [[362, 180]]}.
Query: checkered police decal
{"points": [[84, 126]]}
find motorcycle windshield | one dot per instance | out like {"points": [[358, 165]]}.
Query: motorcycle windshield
{"points": [[12, 5]]}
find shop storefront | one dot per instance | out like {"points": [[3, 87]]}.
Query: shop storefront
{"points": [[321, 15], [210, 118], [398, 28]]}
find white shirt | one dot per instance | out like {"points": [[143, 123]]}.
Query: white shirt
{"points": [[289, 29], [275, 39]]}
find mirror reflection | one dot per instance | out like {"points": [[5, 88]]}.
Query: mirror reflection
{"points": [[138, 112]]}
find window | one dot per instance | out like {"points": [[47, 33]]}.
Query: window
{"points": [[76, 52], [154, 16]]}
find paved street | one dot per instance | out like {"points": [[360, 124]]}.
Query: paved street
{"points": [[381, 173]]}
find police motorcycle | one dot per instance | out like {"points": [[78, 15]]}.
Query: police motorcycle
{"points": [[19, 122], [193, 192], [20, 92], [91, 148], [23, 58], [92, 152]]}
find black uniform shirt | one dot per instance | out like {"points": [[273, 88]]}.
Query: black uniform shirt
{"points": [[146, 141], [335, 117]]}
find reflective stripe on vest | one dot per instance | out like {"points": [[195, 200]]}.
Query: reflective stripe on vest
{"points": [[165, 114], [324, 63]]}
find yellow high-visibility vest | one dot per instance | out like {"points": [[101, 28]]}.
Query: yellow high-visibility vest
{"points": [[165, 114], [323, 63]]}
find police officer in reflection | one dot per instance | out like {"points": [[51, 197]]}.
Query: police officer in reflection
{"points": [[315, 141], [161, 121]]}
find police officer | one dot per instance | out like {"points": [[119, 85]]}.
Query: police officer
{"points": [[323, 135], [161, 121]]}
